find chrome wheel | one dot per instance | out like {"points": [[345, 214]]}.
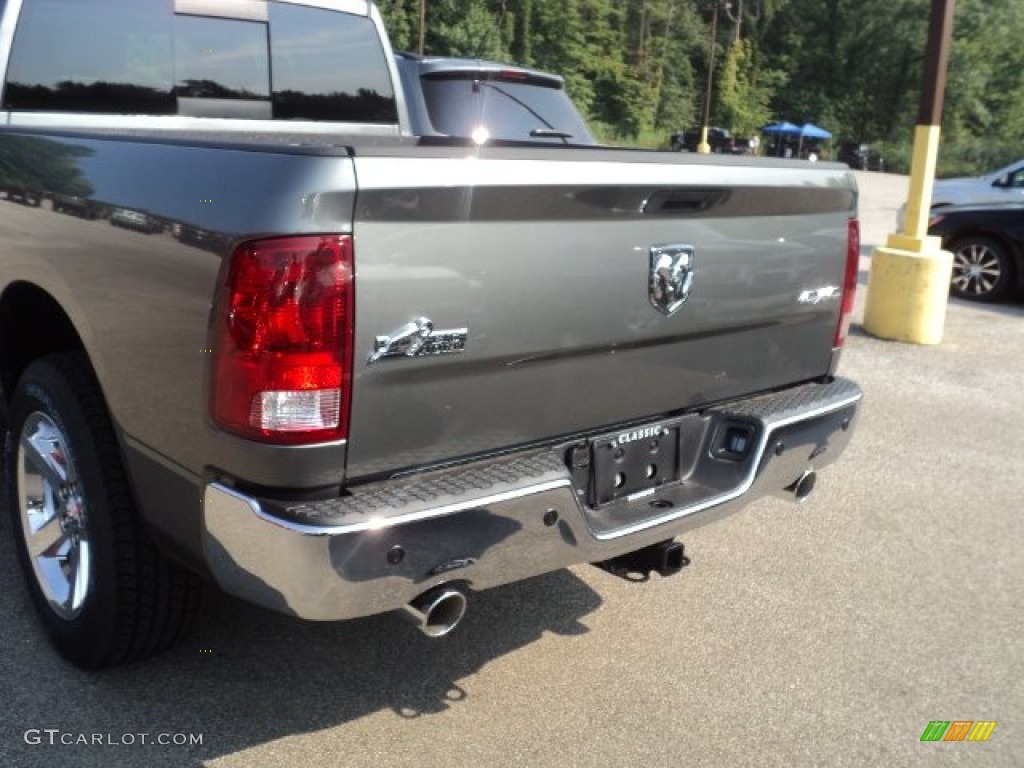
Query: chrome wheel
{"points": [[102, 590], [53, 512], [980, 269]]}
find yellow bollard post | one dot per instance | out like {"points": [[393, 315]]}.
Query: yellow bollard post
{"points": [[703, 147], [908, 287]]}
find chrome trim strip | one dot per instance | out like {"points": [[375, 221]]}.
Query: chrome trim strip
{"points": [[479, 169], [745, 486], [382, 523], [72, 121]]}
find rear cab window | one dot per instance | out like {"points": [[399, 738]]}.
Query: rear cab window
{"points": [[281, 61], [511, 107]]}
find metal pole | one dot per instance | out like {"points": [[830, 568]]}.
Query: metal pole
{"points": [[908, 288], [929, 119], [936, 62], [423, 27], [704, 147]]}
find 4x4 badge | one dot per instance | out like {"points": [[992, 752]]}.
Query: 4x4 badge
{"points": [[671, 276]]}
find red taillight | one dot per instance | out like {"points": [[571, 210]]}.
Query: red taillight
{"points": [[283, 340], [849, 281]]}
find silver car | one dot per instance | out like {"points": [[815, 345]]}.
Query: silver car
{"points": [[1003, 186]]}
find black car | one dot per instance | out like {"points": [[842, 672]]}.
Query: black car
{"points": [[987, 242], [720, 140], [75, 205], [481, 101], [20, 194], [860, 157]]}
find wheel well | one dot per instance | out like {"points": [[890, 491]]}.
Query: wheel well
{"points": [[32, 324], [988, 235]]}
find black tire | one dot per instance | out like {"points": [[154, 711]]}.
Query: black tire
{"points": [[61, 447], [982, 269]]}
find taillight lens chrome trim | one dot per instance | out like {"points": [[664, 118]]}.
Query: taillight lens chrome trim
{"points": [[850, 279], [282, 340]]}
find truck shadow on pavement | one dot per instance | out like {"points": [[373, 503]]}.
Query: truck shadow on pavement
{"points": [[247, 676]]}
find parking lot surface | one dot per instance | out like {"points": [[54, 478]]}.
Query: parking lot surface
{"points": [[828, 634]]}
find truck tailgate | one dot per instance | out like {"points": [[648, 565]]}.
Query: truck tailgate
{"points": [[502, 302]]}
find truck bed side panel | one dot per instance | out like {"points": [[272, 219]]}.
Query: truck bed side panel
{"points": [[129, 240]]}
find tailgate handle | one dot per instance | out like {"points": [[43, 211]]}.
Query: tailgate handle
{"points": [[668, 202]]}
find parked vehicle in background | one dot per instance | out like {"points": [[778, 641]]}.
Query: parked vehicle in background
{"points": [[860, 157], [987, 243], [137, 220], [720, 140], [200, 238], [1005, 185], [488, 101], [76, 205], [30, 197]]}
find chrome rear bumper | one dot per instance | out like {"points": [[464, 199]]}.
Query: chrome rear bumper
{"points": [[505, 519]]}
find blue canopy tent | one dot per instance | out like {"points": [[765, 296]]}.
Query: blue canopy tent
{"points": [[778, 131], [785, 132], [776, 128], [811, 131]]}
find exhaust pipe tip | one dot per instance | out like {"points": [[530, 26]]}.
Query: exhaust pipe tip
{"points": [[437, 611], [803, 486]]}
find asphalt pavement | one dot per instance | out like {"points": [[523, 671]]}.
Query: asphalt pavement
{"points": [[828, 634]]}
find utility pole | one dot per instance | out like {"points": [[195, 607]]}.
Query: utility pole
{"points": [[423, 27], [736, 19], [704, 147], [908, 288]]}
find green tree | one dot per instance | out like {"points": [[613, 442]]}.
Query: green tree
{"points": [[744, 92], [469, 28], [521, 20], [401, 17], [853, 66]]}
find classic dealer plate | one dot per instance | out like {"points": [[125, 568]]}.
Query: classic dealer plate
{"points": [[634, 462]]}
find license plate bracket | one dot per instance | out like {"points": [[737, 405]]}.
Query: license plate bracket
{"points": [[634, 462]]}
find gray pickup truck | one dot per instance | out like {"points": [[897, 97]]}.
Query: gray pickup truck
{"points": [[336, 370]]}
